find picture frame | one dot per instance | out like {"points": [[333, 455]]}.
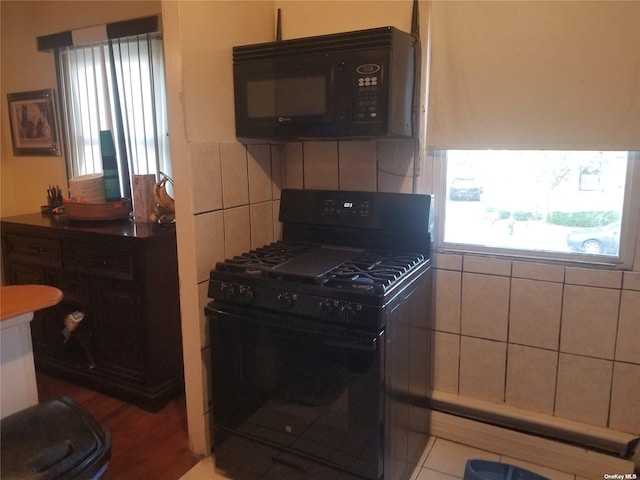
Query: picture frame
{"points": [[33, 122]]}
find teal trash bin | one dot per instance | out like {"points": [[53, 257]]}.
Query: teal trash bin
{"points": [[487, 470], [54, 440]]}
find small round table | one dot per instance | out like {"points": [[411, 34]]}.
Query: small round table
{"points": [[18, 389]]}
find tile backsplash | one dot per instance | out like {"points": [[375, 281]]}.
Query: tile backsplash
{"points": [[545, 338], [557, 340]]}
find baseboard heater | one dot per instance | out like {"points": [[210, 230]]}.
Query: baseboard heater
{"points": [[602, 439]]}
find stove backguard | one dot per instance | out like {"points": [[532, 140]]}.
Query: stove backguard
{"points": [[371, 220]]}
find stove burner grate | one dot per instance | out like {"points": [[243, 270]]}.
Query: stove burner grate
{"points": [[262, 259], [371, 271]]}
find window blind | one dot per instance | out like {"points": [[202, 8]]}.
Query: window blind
{"points": [[534, 75], [116, 86]]}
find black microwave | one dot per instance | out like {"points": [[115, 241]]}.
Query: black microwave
{"points": [[347, 85]]}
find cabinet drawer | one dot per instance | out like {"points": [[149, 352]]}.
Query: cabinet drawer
{"points": [[98, 260], [74, 288], [33, 250]]}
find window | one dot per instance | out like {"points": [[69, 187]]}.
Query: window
{"points": [[533, 116], [559, 204], [113, 96]]}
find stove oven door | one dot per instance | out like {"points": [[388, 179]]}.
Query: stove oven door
{"points": [[293, 402]]}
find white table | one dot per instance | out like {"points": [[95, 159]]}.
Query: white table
{"points": [[18, 389]]}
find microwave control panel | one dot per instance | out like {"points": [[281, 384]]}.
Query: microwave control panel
{"points": [[368, 81]]}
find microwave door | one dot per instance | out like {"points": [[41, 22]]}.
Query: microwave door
{"points": [[287, 104]]}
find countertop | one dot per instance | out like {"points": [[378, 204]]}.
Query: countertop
{"points": [[20, 299], [126, 227]]}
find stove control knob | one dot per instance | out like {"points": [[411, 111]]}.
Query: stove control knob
{"points": [[228, 291], [246, 294], [326, 308], [286, 300], [346, 312]]}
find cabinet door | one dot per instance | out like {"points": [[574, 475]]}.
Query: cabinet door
{"points": [[119, 329], [24, 275]]}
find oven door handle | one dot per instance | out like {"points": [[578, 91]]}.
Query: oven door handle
{"points": [[277, 327], [368, 343]]}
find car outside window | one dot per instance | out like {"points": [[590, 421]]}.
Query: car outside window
{"points": [[557, 204]]}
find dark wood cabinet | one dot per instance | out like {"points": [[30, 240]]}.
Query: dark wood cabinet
{"points": [[123, 277]]}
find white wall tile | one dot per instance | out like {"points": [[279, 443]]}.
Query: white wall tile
{"points": [[625, 398], [277, 226], [448, 288], [446, 356], [206, 188], [482, 369], [485, 306], [448, 261], [396, 157], [534, 316], [395, 165], [237, 231], [584, 386], [628, 343], [425, 181], [388, 182], [538, 271], [531, 378], [278, 162], [210, 240], [235, 185], [491, 266], [321, 165], [293, 166], [631, 280], [261, 224], [593, 277], [589, 321], [259, 171], [357, 165]]}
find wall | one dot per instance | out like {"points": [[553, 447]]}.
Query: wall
{"points": [[561, 341], [213, 173]]}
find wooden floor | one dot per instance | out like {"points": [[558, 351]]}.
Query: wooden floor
{"points": [[144, 445]]}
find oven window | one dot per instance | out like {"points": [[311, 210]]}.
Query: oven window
{"points": [[286, 97], [302, 392]]}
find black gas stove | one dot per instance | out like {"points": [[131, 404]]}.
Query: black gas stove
{"points": [[342, 285], [312, 275], [321, 337]]}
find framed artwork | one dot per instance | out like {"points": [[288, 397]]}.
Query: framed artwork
{"points": [[32, 118]]}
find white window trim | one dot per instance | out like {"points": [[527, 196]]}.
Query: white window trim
{"points": [[628, 233]]}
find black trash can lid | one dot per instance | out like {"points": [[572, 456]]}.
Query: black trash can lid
{"points": [[56, 439]]}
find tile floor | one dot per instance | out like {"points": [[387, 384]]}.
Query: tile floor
{"points": [[442, 460]]}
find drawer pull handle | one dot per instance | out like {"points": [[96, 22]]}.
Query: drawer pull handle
{"points": [[38, 250], [101, 263]]}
